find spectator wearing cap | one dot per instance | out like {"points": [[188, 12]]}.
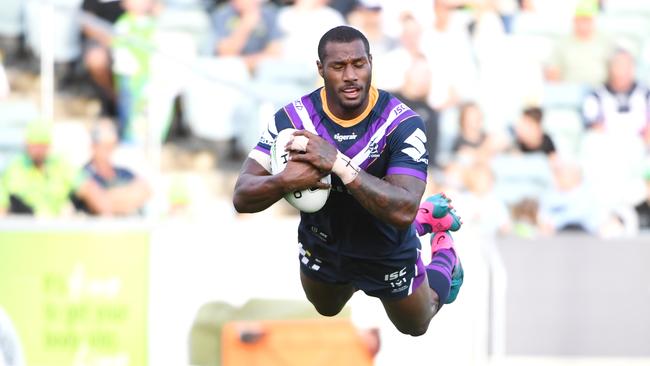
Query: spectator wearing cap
{"points": [[42, 184], [582, 57], [621, 104], [126, 193]]}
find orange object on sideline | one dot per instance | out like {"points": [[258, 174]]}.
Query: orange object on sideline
{"points": [[313, 342]]}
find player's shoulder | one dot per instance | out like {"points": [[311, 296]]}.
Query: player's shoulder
{"points": [[293, 114], [389, 105], [396, 113]]}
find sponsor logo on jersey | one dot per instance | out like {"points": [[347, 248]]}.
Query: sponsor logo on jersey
{"points": [[338, 137], [417, 150]]}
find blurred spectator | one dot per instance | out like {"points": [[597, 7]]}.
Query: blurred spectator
{"points": [[473, 143], [345, 7], [413, 93], [303, 23], [524, 218], [38, 183], [643, 209], [621, 104], [248, 29], [96, 55], [472, 138], [570, 206], [479, 205], [126, 193], [529, 134], [389, 70], [447, 47], [581, 58], [367, 17], [132, 50]]}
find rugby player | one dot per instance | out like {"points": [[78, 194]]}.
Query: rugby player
{"points": [[365, 237]]}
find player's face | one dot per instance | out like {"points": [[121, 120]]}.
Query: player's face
{"points": [[346, 71]]}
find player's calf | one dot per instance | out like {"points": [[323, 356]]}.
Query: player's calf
{"points": [[445, 273]]}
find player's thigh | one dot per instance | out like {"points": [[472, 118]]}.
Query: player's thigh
{"points": [[412, 314], [328, 298], [322, 280]]}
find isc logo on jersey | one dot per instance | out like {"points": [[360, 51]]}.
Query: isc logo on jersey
{"points": [[308, 200], [417, 150]]}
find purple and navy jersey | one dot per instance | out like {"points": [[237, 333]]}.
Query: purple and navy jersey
{"points": [[388, 139]]}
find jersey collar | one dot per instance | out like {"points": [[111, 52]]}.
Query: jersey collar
{"points": [[373, 95]]}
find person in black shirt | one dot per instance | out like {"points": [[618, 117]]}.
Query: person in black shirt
{"points": [[529, 135], [97, 56]]}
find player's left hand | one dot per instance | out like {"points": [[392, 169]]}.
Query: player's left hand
{"points": [[313, 149]]}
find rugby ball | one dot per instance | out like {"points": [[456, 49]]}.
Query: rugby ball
{"points": [[308, 200]]}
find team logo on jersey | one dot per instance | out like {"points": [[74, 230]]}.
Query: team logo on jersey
{"points": [[417, 150], [338, 137], [373, 149]]}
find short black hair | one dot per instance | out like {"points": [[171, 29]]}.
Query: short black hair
{"points": [[534, 113], [341, 34]]}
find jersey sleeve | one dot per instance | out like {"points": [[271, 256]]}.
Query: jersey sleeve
{"points": [[407, 148], [262, 151]]}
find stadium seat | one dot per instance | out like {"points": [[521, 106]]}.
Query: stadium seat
{"points": [[11, 18], [565, 127], [564, 95]]}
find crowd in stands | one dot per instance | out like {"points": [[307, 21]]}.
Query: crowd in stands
{"points": [[537, 111]]}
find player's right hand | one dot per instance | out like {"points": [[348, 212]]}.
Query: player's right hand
{"points": [[298, 175]]}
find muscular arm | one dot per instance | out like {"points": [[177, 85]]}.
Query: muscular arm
{"points": [[256, 190], [394, 199]]}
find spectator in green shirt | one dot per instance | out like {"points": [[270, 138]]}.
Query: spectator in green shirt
{"points": [[41, 184]]}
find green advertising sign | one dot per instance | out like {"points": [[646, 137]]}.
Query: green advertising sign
{"points": [[77, 298]]}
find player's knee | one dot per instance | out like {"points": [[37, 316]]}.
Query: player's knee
{"points": [[328, 310], [414, 330]]}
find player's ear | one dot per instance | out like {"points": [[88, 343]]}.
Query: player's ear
{"points": [[320, 68], [370, 58]]}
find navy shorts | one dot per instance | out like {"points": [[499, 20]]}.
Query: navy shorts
{"points": [[383, 278]]}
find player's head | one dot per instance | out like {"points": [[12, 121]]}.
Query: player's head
{"points": [[345, 64]]}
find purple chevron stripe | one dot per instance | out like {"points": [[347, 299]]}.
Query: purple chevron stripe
{"points": [[381, 144], [290, 110], [259, 148], [374, 126], [316, 120], [407, 171]]}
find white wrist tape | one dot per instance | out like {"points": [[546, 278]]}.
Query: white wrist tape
{"points": [[344, 168]]}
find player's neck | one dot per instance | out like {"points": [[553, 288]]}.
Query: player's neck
{"points": [[348, 117], [346, 114]]}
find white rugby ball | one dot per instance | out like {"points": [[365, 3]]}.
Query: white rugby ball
{"points": [[308, 200]]}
